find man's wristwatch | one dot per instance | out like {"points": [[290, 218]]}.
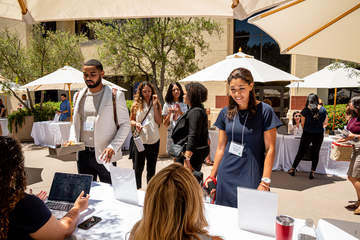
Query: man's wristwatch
{"points": [[266, 180]]}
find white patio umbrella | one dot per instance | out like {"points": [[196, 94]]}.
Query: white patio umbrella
{"points": [[65, 10], [322, 28], [260, 71], [64, 77], [331, 77]]}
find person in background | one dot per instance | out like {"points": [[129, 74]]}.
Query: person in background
{"points": [[208, 160], [295, 126], [268, 101], [353, 127], [26, 102], [64, 108], [313, 121], [145, 116], [247, 136], [2, 109], [173, 208], [173, 109], [25, 216], [191, 130]]}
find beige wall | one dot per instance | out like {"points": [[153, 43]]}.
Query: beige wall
{"points": [[18, 27]]}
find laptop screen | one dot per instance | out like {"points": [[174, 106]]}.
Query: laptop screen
{"points": [[67, 187]]}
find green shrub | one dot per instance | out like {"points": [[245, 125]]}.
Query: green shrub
{"points": [[340, 120], [128, 104], [47, 112]]}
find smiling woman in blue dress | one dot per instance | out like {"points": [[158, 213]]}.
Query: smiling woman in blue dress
{"points": [[246, 146]]}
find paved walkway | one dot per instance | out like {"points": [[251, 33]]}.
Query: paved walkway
{"points": [[323, 197]]}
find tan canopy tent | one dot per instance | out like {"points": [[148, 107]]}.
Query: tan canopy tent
{"points": [[50, 10]]}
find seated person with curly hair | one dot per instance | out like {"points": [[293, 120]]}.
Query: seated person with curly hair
{"points": [[25, 216]]}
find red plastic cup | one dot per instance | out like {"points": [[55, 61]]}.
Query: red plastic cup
{"points": [[284, 227]]}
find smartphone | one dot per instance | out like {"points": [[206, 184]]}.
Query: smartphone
{"points": [[345, 133], [88, 223], [211, 186]]}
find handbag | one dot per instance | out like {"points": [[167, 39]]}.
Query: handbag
{"points": [[136, 135], [176, 150], [341, 151]]}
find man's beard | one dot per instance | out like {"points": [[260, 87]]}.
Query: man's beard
{"points": [[97, 83]]}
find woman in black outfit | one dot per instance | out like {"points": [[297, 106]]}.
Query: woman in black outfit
{"points": [[313, 121], [191, 130]]}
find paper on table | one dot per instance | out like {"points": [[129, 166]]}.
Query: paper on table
{"points": [[56, 117], [257, 210], [124, 184]]}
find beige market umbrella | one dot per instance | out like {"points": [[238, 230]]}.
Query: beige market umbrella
{"points": [[323, 28], [65, 10], [220, 71]]}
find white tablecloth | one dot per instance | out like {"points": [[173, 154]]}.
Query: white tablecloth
{"points": [[4, 126], [337, 229], [118, 218], [286, 150], [50, 133]]}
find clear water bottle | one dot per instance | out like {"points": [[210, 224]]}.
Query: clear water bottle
{"points": [[307, 232]]}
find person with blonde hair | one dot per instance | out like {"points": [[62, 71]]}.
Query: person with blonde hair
{"points": [[173, 208]]}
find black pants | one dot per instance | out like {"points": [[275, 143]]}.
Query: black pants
{"points": [[316, 139], [151, 153], [87, 164]]}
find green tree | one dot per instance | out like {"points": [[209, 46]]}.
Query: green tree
{"points": [[161, 49], [46, 52]]}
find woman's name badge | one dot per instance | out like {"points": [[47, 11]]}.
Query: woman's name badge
{"points": [[236, 149]]}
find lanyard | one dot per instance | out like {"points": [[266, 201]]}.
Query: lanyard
{"points": [[232, 130]]}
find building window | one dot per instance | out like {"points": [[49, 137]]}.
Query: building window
{"points": [[82, 28], [253, 41], [48, 26]]}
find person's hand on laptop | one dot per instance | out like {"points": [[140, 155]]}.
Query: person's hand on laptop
{"points": [[42, 194], [81, 202], [107, 154]]}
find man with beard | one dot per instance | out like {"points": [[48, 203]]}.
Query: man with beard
{"points": [[101, 121]]}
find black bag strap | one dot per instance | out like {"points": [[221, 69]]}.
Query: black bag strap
{"points": [[147, 113]]}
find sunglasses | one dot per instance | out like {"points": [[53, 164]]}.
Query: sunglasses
{"points": [[297, 115]]}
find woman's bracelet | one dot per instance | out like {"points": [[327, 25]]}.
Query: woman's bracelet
{"points": [[264, 185]]}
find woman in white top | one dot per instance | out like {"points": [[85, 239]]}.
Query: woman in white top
{"points": [[173, 109], [295, 127], [147, 124]]}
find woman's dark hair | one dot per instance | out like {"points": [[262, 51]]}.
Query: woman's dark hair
{"points": [[169, 98], [312, 103], [293, 118], [12, 180], [355, 101], [196, 94], [245, 75]]}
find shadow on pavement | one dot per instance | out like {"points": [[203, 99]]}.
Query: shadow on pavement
{"points": [[33, 175], [300, 181]]}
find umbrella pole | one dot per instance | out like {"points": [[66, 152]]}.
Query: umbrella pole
{"points": [[69, 87], [335, 93]]}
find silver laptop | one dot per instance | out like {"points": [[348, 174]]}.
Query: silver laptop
{"points": [[257, 211], [65, 188]]}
